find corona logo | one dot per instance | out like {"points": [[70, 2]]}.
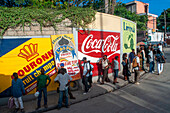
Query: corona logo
{"points": [[29, 52]]}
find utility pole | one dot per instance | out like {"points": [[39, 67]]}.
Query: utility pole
{"points": [[164, 23], [106, 6]]}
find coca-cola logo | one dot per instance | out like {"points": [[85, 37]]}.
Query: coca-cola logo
{"points": [[90, 44]]}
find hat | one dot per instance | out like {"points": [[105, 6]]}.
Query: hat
{"points": [[62, 64], [84, 58]]}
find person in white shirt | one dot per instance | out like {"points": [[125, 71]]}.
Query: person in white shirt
{"points": [[86, 71], [64, 80], [136, 68], [105, 66]]}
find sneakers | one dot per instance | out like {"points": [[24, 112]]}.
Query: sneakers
{"points": [[137, 83], [84, 93]]}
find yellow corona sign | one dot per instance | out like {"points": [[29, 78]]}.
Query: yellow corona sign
{"points": [[26, 57], [129, 35]]}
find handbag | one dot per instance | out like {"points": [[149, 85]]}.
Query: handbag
{"points": [[123, 63], [161, 60], [10, 102], [128, 73]]}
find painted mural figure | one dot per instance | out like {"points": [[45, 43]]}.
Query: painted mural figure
{"points": [[42, 87], [17, 90], [130, 38]]}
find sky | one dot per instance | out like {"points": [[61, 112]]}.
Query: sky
{"points": [[155, 6]]}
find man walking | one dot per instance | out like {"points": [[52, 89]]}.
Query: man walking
{"points": [[105, 66], [64, 80], [131, 57], [86, 74], [17, 90], [42, 87]]}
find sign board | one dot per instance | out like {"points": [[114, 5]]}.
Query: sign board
{"points": [[65, 52], [96, 44], [128, 35]]}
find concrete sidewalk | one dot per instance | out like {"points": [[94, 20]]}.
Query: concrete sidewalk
{"points": [[30, 102]]}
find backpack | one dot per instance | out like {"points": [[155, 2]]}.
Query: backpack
{"points": [[91, 69], [11, 102], [134, 63]]}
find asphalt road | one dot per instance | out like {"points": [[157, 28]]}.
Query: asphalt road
{"points": [[151, 96]]}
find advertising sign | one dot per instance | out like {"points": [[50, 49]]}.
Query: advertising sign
{"points": [[26, 56], [65, 52], [129, 35], [96, 44]]}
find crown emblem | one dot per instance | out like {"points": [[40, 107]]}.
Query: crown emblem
{"points": [[29, 52]]}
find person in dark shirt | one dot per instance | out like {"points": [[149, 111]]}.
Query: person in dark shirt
{"points": [[131, 57], [42, 87], [17, 91]]}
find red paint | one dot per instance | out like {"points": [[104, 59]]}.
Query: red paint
{"points": [[97, 44]]}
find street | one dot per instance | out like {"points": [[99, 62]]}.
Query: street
{"points": [[151, 96]]}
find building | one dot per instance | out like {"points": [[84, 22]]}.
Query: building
{"points": [[141, 8]]}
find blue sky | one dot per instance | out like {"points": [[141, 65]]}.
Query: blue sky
{"points": [[155, 6]]}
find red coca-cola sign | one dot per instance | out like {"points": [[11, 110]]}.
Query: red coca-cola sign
{"points": [[95, 44]]}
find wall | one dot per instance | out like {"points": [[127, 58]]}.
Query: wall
{"points": [[34, 30], [141, 7], [152, 22]]}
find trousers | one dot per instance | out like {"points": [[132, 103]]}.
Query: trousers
{"points": [[159, 67], [18, 102]]}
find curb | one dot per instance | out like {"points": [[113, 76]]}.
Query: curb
{"points": [[97, 95]]}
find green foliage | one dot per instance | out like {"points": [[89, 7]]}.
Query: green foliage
{"points": [[13, 17], [160, 21], [120, 10]]}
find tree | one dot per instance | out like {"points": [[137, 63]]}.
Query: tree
{"points": [[120, 10], [160, 21]]}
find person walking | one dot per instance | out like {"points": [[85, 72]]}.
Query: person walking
{"points": [[136, 65], [17, 90], [151, 62], [160, 60], [91, 74], [65, 71], [116, 69], [125, 67], [105, 66], [86, 71], [64, 80], [42, 87], [131, 57]]}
